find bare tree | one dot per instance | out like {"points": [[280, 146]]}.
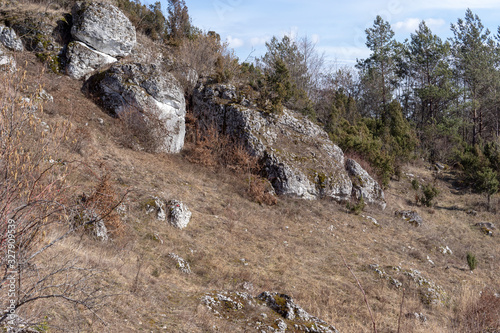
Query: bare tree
{"points": [[38, 210], [314, 62]]}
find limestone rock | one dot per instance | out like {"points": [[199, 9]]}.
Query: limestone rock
{"points": [[7, 62], [151, 93], [298, 157], [486, 227], [410, 216], [103, 27], [241, 305], [82, 60], [96, 225], [286, 307], [10, 40], [155, 205], [364, 186], [179, 214], [181, 264]]}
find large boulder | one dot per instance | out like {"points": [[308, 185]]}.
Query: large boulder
{"points": [[363, 185], [10, 40], [147, 91], [103, 27], [82, 60], [298, 157]]}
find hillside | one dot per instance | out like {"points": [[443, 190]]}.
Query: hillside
{"points": [[235, 247]]}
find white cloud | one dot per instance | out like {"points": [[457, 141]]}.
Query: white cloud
{"points": [[411, 24], [435, 23], [234, 42], [315, 38], [255, 41], [458, 4]]}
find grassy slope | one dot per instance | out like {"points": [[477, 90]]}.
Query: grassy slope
{"points": [[293, 247]]}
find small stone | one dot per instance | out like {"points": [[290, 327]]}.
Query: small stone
{"points": [[410, 216]]}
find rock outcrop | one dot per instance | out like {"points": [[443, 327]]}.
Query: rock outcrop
{"points": [[298, 157], [103, 27], [7, 62], [363, 185], [10, 40], [240, 307], [179, 214], [410, 216], [82, 60], [147, 91]]}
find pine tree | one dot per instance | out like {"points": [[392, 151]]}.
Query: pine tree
{"points": [[378, 71], [178, 23]]}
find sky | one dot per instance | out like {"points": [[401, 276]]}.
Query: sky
{"points": [[337, 27]]}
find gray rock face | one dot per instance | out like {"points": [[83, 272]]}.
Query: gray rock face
{"points": [[152, 93], [179, 214], [10, 40], [82, 60], [364, 186], [103, 27], [286, 307], [7, 62], [298, 156], [410, 216]]}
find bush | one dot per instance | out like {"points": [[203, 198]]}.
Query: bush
{"points": [[471, 261], [430, 192], [479, 316], [356, 208]]}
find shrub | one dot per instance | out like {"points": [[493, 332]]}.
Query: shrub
{"points": [[430, 192], [141, 131], [471, 261], [415, 185], [38, 201], [356, 208], [479, 316], [261, 191]]}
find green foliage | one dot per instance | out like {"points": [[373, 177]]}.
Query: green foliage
{"points": [[383, 143], [471, 261], [178, 23], [358, 207], [285, 72], [415, 185], [487, 183], [430, 193], [479, 164], [146, 19]]}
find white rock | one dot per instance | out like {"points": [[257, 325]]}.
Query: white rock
{"points": [[364, 186], [82, 60], [179, 214], [151, 93], [103, 27], [10, 40]]}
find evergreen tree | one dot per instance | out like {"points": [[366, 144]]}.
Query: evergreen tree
{"points": [[286, 71], [430, 74], [178, 23], [474, 62], [378, 71]]}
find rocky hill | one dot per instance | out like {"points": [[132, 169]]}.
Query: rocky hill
{"points": [[150, 239]]}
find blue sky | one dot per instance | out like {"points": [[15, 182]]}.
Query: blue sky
{"points": [[337, 26]]}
